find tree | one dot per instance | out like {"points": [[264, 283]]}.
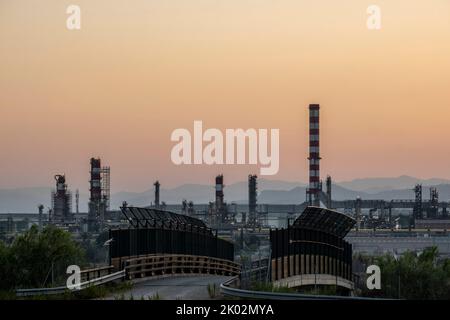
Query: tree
{"points": [[413, 276], [36, 258]]}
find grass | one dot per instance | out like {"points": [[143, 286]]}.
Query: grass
{"points": [[93, 292], [321, 291], [156, 296], [7, 295], [269, 287], [212, 290]]}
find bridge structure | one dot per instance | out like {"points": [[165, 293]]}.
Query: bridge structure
{"points": [[158, 244], [163, 243], [312, 251]]}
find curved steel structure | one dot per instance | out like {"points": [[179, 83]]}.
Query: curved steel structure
{"points": [[325, 220], [161, 219], [312, 251], [158, 234]]}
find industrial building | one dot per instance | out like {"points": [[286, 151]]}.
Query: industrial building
{"points": [[392, 218]]}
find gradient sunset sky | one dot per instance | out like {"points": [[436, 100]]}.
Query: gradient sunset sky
{"points": [[139, 69]]}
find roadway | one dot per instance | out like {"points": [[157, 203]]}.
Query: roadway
{"points": [[192, 287]]}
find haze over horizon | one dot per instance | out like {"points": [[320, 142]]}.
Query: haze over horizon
{"points": [[118, 87], [357, 184], [269, 191]]}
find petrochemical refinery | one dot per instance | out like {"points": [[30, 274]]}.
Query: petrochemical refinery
{"points": [[380, 225]]}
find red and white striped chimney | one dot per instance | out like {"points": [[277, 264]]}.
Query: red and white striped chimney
{"points": [[314, 156]]}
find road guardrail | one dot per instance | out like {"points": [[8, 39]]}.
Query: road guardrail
{"points": [[227, 290], [59, 290]]}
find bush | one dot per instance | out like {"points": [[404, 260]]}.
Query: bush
{"points": [[35, 258], [413, 276]]}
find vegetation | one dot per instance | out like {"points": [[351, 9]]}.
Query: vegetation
{"points": [[120, 297], [269, 287], [38, 259], [412, 276], [156, 296], [94, 249], [94, 292], [212, 290], [330, 290]]}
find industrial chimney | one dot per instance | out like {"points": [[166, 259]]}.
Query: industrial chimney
{"points": [[157, 185], [314, 156], [219, 192], [252, 198], [329, 201]]}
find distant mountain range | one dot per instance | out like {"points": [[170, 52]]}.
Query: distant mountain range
{"points": [[269, 191], [376, 185], [341, 193]]}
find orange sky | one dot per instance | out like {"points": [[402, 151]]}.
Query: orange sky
{"points": [[139, 69]]}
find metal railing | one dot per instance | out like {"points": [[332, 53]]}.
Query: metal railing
{"points": [[155, 265], [63, 289], [227, 290], [89, 274]]}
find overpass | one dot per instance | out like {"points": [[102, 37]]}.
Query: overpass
{"points": [[161, 243], [312, 251], [178, 287]]}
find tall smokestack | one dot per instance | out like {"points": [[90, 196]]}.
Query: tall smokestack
{"points": [[156, 184], [252, 197], [314, 156], [219, 191], [77, 201], [329, 192]]}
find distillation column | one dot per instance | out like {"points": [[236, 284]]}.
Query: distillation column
{"points": [[61, 201], [96, 205]]}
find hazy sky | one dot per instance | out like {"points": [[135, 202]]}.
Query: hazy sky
{"points": [[139, 69]]}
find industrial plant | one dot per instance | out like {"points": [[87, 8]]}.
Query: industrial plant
{"points": [[291, 243], [417, 214]]}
